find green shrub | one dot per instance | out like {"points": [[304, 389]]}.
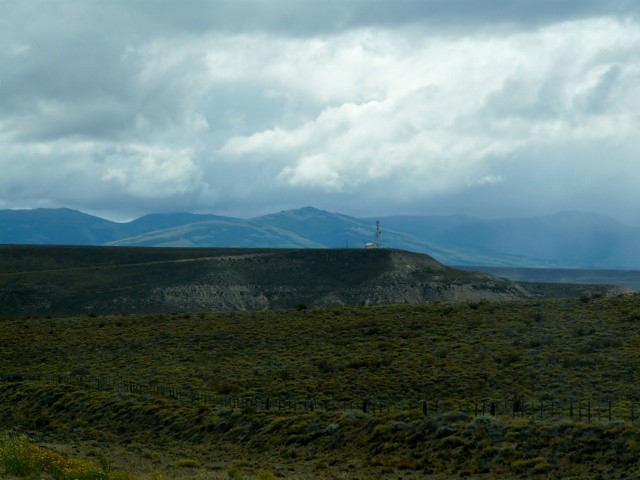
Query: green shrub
{"points": [[266, 475], [537, 465], [452, 441], [17, 457], [187, 463]]}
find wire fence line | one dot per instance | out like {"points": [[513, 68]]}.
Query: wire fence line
{"points": [[514, 406]]}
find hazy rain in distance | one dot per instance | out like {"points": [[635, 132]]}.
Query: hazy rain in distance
{"points": [[368, 107]]}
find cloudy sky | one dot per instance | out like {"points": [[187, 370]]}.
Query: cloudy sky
{"points": [[491, 108]]}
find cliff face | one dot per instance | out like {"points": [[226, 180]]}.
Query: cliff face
{"points": [[76, 280]]}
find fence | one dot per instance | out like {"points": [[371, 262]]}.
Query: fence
{"points": [[514, 406]]}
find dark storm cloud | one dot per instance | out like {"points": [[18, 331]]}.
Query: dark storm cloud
{"points": [[76, 69], [132, 20], [295, 17]]}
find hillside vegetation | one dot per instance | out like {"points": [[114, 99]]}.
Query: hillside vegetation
{"points": [[340, 392], [67, 280]]}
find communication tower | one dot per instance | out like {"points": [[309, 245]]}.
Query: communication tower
{"points": [[377, 243]]}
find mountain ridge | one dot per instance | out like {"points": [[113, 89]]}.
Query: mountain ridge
{"points": [[561, 240]]}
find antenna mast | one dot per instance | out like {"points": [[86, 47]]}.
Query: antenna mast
{"points": [[378, 244]]}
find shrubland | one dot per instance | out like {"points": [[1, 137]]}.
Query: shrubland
{"points": [[338, 392]]}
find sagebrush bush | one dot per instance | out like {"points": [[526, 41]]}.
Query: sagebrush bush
{"points": [[21, 458], [18, 457], [187, 463]]}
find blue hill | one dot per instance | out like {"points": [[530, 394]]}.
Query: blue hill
{"points": [[568, 239]]}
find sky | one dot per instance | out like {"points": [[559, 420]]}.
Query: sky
{"points": [[491, 108]]}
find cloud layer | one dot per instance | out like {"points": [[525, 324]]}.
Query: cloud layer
{"points": [[247, 107]]}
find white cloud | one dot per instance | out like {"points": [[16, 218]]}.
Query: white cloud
{"points": [[313, 170], [441, 111], [486, 180], [390, 104], [19, 48], [144, 171]]}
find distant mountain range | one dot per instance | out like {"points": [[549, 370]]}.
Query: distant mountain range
{"points": [[568, 240]]}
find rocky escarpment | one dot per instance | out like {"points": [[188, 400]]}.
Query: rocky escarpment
{"points": [[68, 280], [332, 277]]}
